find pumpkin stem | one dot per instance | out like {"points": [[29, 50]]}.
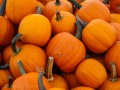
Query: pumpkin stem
{"points": [[58, 15], [14, 48], [39, 10], [87, 56], [57, 2], [3, 67], [77, 5], [10, 81], [49, 69], [105, 2], [40, 81], [113, 77], [2, 7], [22, 71]]}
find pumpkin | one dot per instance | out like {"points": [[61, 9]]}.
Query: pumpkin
{"points": [[7, 52], [83, 88], [115, 5], [4, 77], [115, 18], [91, 73], [66, 50], [51, 7], [56, 89], [30, 81], [112, 55], [55, 80], [36, 29], [44, 1], [17, 10], [112, 83], [98, 36], [117, 28], [31, 56], [40, 4], [71, 80], [63, 17], [1, 2]]}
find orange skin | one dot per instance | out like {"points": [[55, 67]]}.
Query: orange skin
{"points": [[6, 31], [115, 5], [91, 73], [56, 89], [83, 88], [41, 5], [99, 36], [50, 8], [115, 18], [29, 82], [45, 1], [69, 23], [93, 9], [113, 56], [5, 87], [66, 50], [31, 56]]}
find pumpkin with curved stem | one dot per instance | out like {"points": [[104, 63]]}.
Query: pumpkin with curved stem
{"points": [[55, 79], [115, 5], [115, 18], [91, 73], [112, 55], [31, 56], [83, 88], [60, 18], [113, 82], [51, 7]]}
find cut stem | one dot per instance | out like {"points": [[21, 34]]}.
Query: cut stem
{"points": [[76, 4], [58, 15], [57, 2], [22, 71], [10, 81], [3, 67], [49, 69], [2, 7], [39, 10], [14, 48], [113, 77]]}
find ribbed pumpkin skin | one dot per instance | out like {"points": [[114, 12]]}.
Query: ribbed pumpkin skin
{"points": [[117, 28], [4, 77], [31, 56], [29, 82], [66, 24], [91, 73], [108, 85], [17, 10], [5, 87], [50, 8], [82, 88], [113, 55], [93, 9], [66, 50], [71, 80], [7, 52], [98, 36], [6, 31], [36, 29], [115, 18]]}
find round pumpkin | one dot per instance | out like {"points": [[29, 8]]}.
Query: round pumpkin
{"points": [[115, 18], [98, 36], [63, 17], [115, 5], [36, 29], [51, 7], [66, 50], [83, 88], [91, 73]]}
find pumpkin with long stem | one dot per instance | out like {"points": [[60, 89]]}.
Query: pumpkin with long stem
{"points": [[62, 17], [112, 83], [30, 81], [83, 88], [54, 79], [30, 55]]}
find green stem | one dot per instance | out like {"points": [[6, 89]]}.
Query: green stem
{"points": [[39, 10], [76, 4], [10, 81], [105, 2], [40, 81], [113, 77], [14, 48], [22, 71], [2, 7], [3, 67], [58, 15], [57, 2]]}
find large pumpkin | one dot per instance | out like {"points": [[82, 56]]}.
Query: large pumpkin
{"points": [[98, 36], [91, 73], [36, 29], [115, 18], [83, 88]]}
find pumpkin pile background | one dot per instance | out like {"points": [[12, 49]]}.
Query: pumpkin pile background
{"points": [[59, 45]]}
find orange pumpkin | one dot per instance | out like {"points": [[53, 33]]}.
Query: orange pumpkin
{"points": [[83, 88], [66, 50], [40, 4], [117, 28], [51, 7], [91, 73], [44, 1], [63, 17], [98, 36], [112, 55], [17, 10], [56, 89], [115, 5], [115, 18], [1, 2]]}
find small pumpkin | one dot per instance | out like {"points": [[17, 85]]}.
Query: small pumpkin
{"points": [[83, 88], [115, 18], [91, 73], [115, 5]]}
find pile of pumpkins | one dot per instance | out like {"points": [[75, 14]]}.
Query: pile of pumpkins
{"points": [[59, 44]]}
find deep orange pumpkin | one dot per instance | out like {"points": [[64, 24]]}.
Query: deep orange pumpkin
{"points": [[83, 88], [45, 1], [115, 18], [56, 89], [115, 5]]}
